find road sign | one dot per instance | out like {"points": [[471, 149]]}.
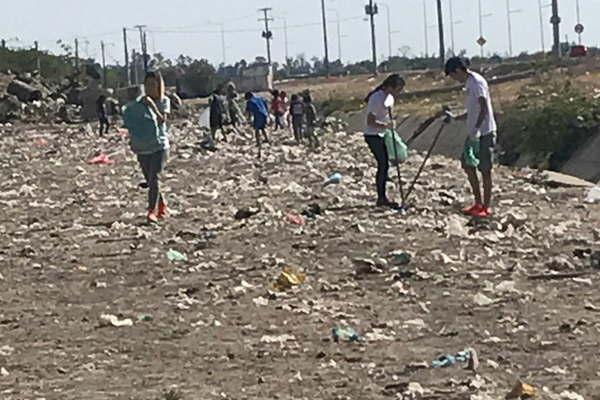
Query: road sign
{"points": [[481, 41], [579, 28]]}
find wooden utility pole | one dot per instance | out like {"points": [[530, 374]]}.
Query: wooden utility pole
{"points": [[441, 32], [555, 20], [38, 63], [143, 46], [104, 80], [77, 55], [372, 10], [127, 73], [326, 60]]}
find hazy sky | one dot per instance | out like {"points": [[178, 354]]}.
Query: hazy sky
{"points": [[191, 26]]}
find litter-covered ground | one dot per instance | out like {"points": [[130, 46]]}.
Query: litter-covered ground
{"points": [[264, 284]]}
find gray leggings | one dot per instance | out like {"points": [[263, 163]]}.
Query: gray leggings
{"points": [[152, 165]]}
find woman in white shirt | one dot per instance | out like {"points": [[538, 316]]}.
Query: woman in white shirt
{"points": [[380, 103]]}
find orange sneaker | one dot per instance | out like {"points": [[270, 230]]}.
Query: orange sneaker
{"points": [[476, 208], [163, 210], [151, 217]]}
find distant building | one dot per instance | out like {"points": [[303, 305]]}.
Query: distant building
{"points": [[254, 78]]}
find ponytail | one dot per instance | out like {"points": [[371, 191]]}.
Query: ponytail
{"points": [[392, 81]]}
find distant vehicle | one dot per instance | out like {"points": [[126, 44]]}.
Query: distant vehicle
{"points": [[578, 51]]}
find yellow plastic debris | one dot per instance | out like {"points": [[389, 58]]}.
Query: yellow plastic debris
{"points": [[289, 277], [522, 391]]}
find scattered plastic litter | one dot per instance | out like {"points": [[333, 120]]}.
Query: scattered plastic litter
{"points": [[174, 255], [346, 334], [289, 278]]}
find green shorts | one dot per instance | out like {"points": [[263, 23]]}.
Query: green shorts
{"points": [[487, 144]]}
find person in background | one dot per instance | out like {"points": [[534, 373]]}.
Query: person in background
{"points": [[285, 105], [481, 139], [102, 114], [380, 103], [219, 114], [310, 116], [277, 108], [296, 117], [146, 120], [258, 111], [235, 114]]}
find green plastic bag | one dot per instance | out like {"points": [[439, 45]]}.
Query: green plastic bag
{"points": [[471, 153], [396, 149]]}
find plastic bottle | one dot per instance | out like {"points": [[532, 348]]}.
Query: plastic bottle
{"points": [[344, 334]]}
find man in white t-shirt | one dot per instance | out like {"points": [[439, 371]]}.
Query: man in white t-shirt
{"points": [[481, 126]]}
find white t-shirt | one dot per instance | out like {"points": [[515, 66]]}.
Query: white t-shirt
{"points": [[478, 87], [379, 103]]}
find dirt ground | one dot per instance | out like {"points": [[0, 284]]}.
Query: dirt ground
{"points": [[75, 246]]}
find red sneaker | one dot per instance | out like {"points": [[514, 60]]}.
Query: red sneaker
{"points": [[483, 212], [163, 210], [151, 217], [476, 208]]}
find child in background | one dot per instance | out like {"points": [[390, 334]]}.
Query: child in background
{"points": [[277, 108], [101, 113], [295, 117], [258, 111], [310, 115]]}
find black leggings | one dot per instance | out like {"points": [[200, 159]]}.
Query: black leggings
{"points": [[152, 166], [377, 146]]}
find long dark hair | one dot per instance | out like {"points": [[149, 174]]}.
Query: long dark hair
{"points": [[392, 81]]}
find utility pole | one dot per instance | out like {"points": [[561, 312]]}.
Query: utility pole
{"points": [[578, 20], [77, 55], [372, 10], [134, 66], [285, 40], [325, 37], [555, 20], [481, 26], [510, 48], [426, 28], [37, 58], [104, 80], [389, 28], [441, 33], [267, 34], [339, 35], [509, 13], [223, 47], [541, 13], [127, 74], [143, 46], [451, 15]]}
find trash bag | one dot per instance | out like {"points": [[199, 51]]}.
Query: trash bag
{"points": [[471, 153], [396, 149]]}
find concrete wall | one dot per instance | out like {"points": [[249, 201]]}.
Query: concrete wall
{"points": [[586, 162]]}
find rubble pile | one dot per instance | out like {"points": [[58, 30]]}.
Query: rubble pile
{"points": [[267, 283], [30, 98]]}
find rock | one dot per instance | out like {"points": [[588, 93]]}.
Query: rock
{"points": [[10, 108], [24, 91]]}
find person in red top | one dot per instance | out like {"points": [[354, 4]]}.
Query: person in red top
{"points": [[278, 109]]}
